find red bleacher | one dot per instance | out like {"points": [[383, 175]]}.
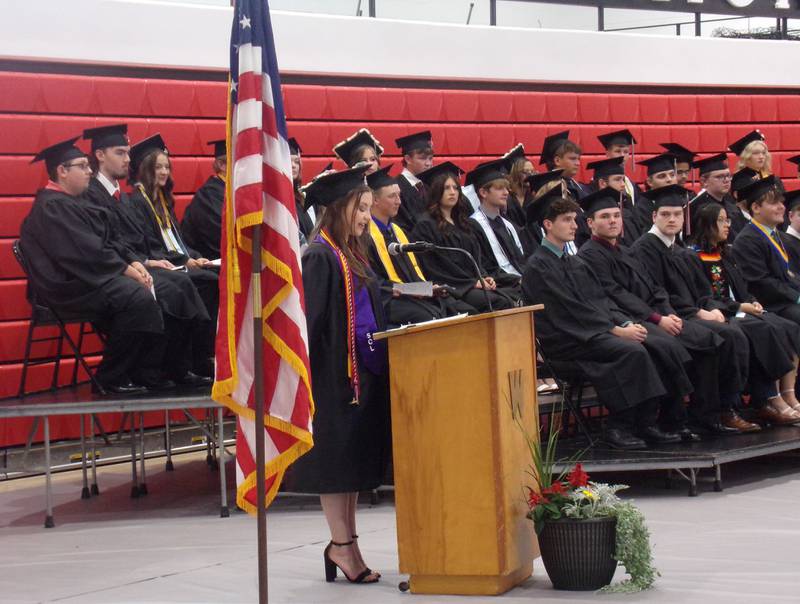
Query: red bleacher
{"points": [[468, 127]]}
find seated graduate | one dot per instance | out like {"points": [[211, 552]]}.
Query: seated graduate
{"points": [[740, 180], [519, 169], [541, 184], [305, 218], [417, 150], [791, 237], [753, 153], [187, 324], [666, 262], [620, 143], [76, 266], [715, 178], [610, 173], [560, 153], [580, 325], [446, 224], [360, 147], [683, 162], [348, 367], [201, 226], [795, 159], [403, 267], [774, 341], [660, 173], [759, 252], [501, 248]]}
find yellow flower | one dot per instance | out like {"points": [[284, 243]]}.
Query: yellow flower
{"points": [[587, 493]]}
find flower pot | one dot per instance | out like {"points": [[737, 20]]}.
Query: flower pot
{"points": [[578, 554]]}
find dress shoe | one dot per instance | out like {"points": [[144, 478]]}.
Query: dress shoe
{"points": [[688, 436], [656, 436], [154, 383], [714, 426], [192, 379], [620, 439], [736, 421], [779, 418], [128, 388]]}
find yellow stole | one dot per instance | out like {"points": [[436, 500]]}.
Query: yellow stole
{"points": [[383, 251]]}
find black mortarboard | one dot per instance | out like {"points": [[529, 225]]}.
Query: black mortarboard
{"points": [[536, 210], [381, 178], [107, 136], [294, 147], [791, 199], [512, 156], [671, 196], [794, 160], [347, 147], [537, 181], [58, 154], [415, 142], [600, 200], [743, 178], [756, 189], [446, 167], [487, 172], [551, 143], [619, 137], [143, 148], [329, 187], [738, 146], [681, 153], [712, 164], [608, 167], [220, 147], [659, 163]]}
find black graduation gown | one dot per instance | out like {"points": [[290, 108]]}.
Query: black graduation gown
{"points": [[455, 269], [77, 266], [578, 192], [575, 326], [642, 216], [731, 209], [351, 442], [201, 227], [514, 212], [304, 221], [513, 253], [412, 204], [631, 226], [792, 246]]}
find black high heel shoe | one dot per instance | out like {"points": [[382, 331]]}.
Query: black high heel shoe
{"points": [[331, 567], [376, 573]]}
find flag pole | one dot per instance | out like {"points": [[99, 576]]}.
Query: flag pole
{"points": [[258, 394]]}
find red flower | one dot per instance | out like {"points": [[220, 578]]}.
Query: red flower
{"points": [[535, 499], [578, 478], [557, 488]]}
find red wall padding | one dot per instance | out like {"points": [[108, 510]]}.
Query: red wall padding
{"points": [[468, 127]]}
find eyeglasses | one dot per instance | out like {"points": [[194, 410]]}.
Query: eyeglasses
{"points": [[725, 221], [81, 165], [723, 177]]}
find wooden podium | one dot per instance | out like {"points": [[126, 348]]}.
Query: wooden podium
{"points": [[459, 457]]}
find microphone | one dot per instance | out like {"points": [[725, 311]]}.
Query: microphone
{"points": [[395, 249]]}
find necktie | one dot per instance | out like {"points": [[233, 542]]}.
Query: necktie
{"points": [[116, 194], [420, 186]]}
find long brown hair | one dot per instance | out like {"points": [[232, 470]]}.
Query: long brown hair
{"points": [[518, 180], [460, 211], [340, 227], [146, 176], [707, 229]]}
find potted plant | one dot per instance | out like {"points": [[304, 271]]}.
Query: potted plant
{"points": [[584, 529]]}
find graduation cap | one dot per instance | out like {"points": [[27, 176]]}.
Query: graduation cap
{"points": [[749, 194], [607, 167], [619, 137], [537, 181], [347, 147], [600, 200], [107, 136], [220, 147], [535, 211], [659, 163], [743, 178], [671, 196], [515, 154], [294, 147], [58, 154], [415, 142], [712, 164], [681, 153], [738, 146], [487, 172], [143, 148], [551, 143], [331, 186], [447, 167], [381, 178], [792, 199], [794, 160]]}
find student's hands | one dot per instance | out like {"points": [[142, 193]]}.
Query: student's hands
{"points": [[672, 324], [752, 308], [633, 332], [194, 263], [166, 264], [490, 284], [711, 315], [138, 273]]}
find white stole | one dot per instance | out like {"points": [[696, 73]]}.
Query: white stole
{"points": [[502, 260]]}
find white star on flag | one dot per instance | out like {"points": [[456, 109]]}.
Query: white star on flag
{"points": [[244, 22]]}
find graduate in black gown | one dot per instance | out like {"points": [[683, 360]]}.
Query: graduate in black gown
{"points": [[665, 260], [446, 224], [154, 205], [75, 265], [715, 178], [660, 173], [540, 184], [304, 220], [774, 341], [621, 143], [417, 150], [684, 158], [184, 313], [791, 237], [201, 226], [579, 325], [349, 376], [519, 169], [360, 148], [560, 153], [610, 173], [401, 267]]}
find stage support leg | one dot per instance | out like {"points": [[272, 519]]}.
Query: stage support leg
{"points": [[168, 442], [95, 488], [48, 486], [143, 477], [223, 510], [85, 494], [134, 474]]}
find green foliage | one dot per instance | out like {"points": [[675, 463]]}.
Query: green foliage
{"points": [[633, 550]]}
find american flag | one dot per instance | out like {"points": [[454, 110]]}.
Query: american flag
{"points": [[259, 195]]}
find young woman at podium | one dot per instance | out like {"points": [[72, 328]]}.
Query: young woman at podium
{"points": [[348, 368]]}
